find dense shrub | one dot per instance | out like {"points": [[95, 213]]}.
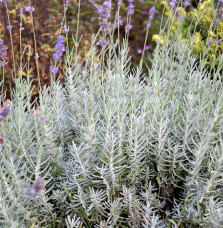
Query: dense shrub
{"points": [[114, 150], [114, 146]]}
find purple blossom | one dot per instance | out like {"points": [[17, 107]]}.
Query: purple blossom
{"points": [[102, 42], [4, 113], [21, 12], [104, 12], [152, 12], [53, 70], [9, 27], [44, 119], [148, 25], [131, 1], [186, 3], [36, 56], [128, 27], [66, 4], [29, 9], [2, 53], [38, 186], [65, 29], [59, 48], [119, 2], [5, 1], [209, 42], [180, 18], [219, 14], [147, 47], [119, 22], [131, 9], [173, 3]]}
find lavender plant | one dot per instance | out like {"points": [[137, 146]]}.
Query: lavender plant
{"points": [[115, 147]]}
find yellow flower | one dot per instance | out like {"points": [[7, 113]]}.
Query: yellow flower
{"points": [[157, 38]]}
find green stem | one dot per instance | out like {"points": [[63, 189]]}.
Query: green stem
{"points": [[10, 32], [34, 37]]}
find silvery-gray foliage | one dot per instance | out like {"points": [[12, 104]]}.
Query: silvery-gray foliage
{"points": [[116, 148]]}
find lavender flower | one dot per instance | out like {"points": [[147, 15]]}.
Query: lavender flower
{"points": [[2, 53], [128, 27], [209, 42], [4, 113], [219, 14], [119, 22], [9, 27], [21, 12], [4, 1], [148, 25], [29, 9], [186, 3], [103, 42], [152, 12], [65, 29], [36, 56], [180, 18], [131, 9], [59, 48], [173, 3], [119, 2], [104, 13], [38, 186], [53, 70], [66, 4], [131, 1]]}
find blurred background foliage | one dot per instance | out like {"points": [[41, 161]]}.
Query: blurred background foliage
{"points": [[47, 18], [203, 25]]}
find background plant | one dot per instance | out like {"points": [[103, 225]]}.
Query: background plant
{"points": [[203, 24]]}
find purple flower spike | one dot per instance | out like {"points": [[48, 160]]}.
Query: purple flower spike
{"points": [[65, 29], [9, 27], [53, 70], [2, 53], [186, 3], [4, 113], [152, 12], [173, 3], [59, 48], [180, 18], [209, 42], [119, 2], [128, 27], [131, 9], [103, 42], [38, 186], [21, 12], [36, 56], [4, 1], [148, 25], [29, 9]]}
